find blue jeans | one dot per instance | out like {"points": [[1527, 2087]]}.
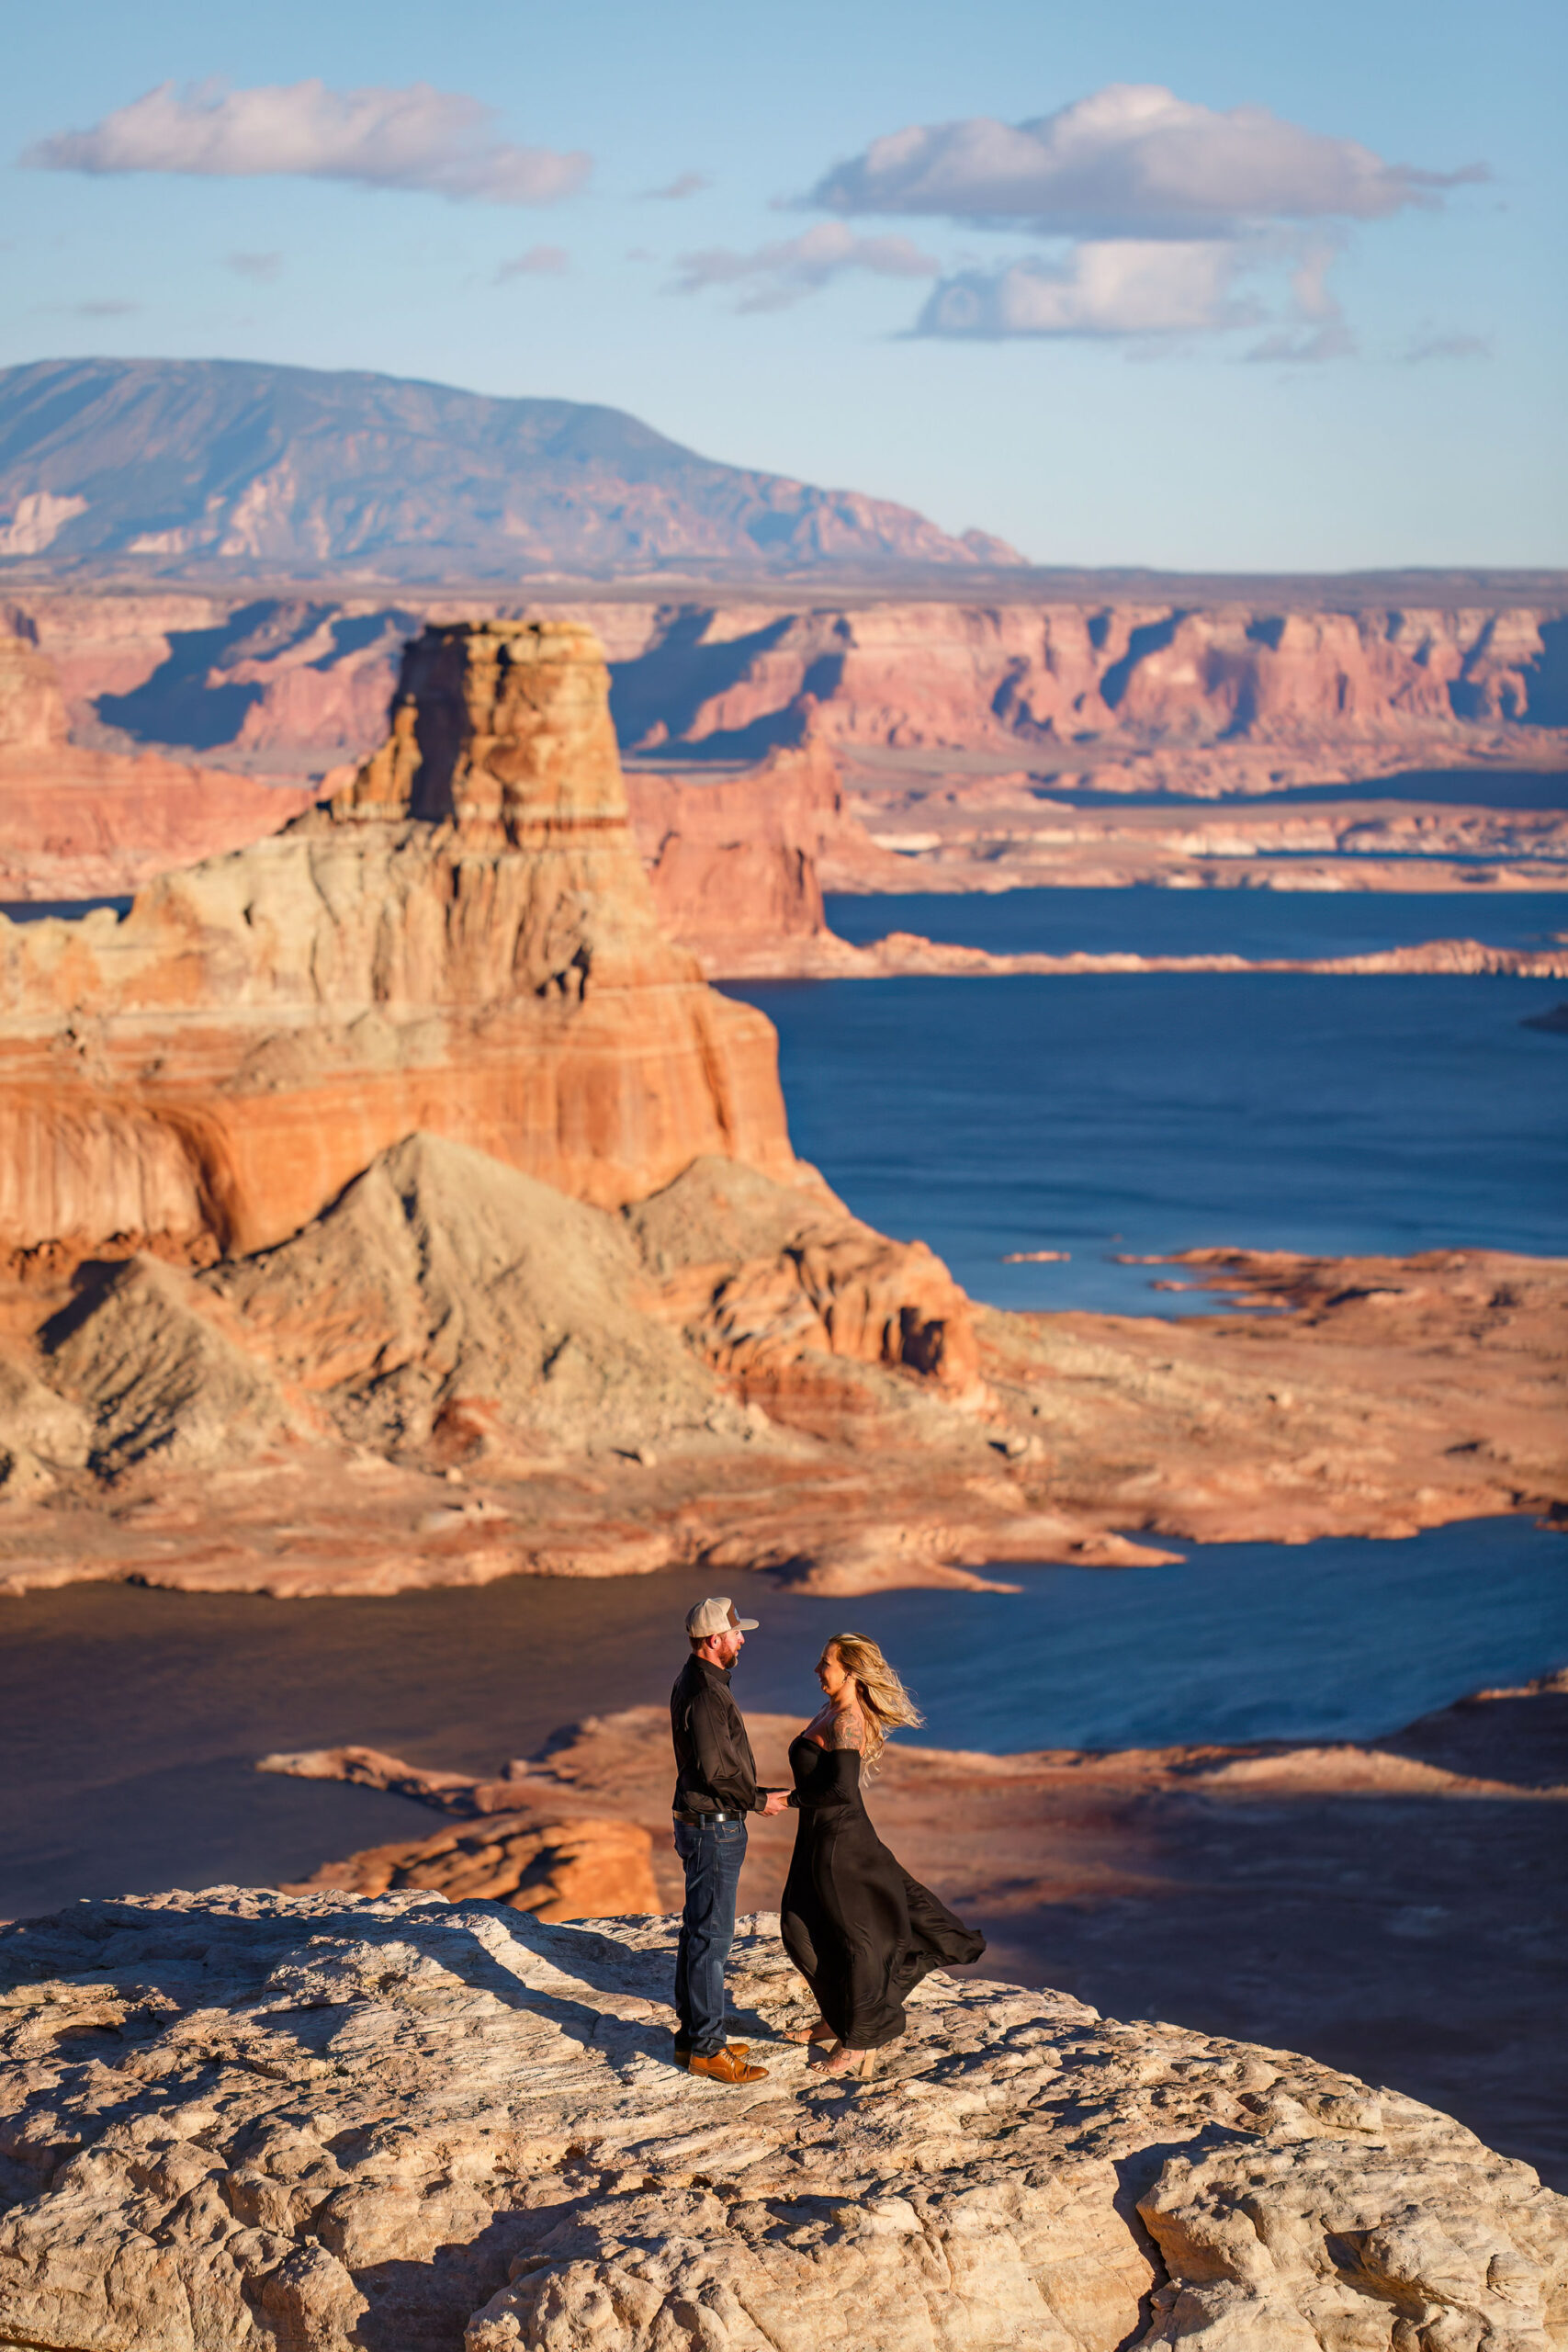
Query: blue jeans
{"points": [[711, 1857]]}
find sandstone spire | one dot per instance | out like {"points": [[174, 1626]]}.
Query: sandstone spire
{"points": [[464, 941]]}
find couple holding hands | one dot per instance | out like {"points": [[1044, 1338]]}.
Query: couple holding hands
{"points": [[859, 1929]]}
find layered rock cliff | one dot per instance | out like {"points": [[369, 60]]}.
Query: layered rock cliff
{"points": [[464, 941], [456, 1374], [78, 821], [928, 708], [304, 678], [913, 675], [317, 2123]]}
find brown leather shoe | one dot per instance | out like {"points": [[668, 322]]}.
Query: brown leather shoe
{"points": [[684, 2050], [724, 2066]]}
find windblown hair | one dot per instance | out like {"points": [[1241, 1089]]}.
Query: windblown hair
{"points": [[885, 1702]]}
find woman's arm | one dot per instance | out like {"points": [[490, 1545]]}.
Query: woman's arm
{"points": [[846, 1729]]}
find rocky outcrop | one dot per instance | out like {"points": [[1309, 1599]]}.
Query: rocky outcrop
{"points": [[451, 1311], [735, 863], [317, 2123], [1394, 1905], [464, 941], [583, 1869], [508, 1849]]}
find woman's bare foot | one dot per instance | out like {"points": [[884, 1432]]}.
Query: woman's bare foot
{"points": [[845, 2061], [820, 2032]]}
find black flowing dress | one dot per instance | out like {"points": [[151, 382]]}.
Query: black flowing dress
{"points": [[859, 1929]]}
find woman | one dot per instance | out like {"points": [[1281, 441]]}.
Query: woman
{"points": [[859, 1929]]}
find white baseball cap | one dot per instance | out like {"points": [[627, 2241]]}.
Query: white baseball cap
{"points": [[717, 1617]]}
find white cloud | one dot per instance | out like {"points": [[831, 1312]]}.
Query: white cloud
{"points": [[1322, 333], [263, 267], [1333, 341], [776, 275], [684, 183], [1115, 287], [1131, 161], [539, 261], [1433, 344], [414, 138]]}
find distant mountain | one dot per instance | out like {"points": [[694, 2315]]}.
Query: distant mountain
{"points": [[220, 469]]}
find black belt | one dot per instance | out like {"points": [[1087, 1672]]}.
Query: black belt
{"points": [[696, 1820]]}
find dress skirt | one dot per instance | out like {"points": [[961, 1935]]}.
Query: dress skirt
{"points": [[859, 1929]]}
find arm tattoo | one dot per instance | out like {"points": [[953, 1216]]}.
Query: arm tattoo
{"points": [[847, 1730]]}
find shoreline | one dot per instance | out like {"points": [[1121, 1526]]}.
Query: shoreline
{"points": [[1355, 1397]]}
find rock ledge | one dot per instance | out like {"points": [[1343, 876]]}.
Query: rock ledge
{"points": [[315, 2123]]}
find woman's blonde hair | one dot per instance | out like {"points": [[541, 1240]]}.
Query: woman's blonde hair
{"points": [[883, 1701]]}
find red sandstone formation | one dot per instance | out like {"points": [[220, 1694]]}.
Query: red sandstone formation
{"points": [[78, 824], [1219, 702], [1329, 691], [954, 675], [736, 863], [465, 942], [583, 1869], [561, 1863]]}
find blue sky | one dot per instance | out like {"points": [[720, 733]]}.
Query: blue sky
{"points": [[1214, 287]]}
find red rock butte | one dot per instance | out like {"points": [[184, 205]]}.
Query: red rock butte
{"points": [[463, 942]]}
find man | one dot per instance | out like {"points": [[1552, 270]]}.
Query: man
{"points": [[715, 1790]]}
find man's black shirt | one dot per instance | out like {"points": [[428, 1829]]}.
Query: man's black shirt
{"points": [[714, 1769]]}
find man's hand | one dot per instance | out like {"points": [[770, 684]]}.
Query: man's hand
{"points": [[777, 1799]]}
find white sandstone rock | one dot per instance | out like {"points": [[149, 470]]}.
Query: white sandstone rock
{"points": [[323, 2124]]}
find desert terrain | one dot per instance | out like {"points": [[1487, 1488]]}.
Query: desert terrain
{"points": [[402, 1151], [389, 1201]]}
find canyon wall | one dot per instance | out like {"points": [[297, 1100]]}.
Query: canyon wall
{"points": [[952, 729], [298, 678], [464, 941], [922, 675], [76, 821], [735, 865]]}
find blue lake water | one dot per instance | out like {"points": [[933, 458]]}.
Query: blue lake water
{"points": [[147, 1780], [1255, 923], [71, 910], [1449, 787], [1339, 1639], [1140, 1114]]}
